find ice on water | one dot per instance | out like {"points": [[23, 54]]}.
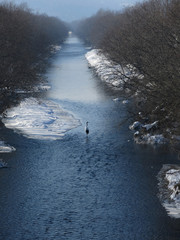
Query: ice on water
{"points": [[6, 148], [40, 119]]}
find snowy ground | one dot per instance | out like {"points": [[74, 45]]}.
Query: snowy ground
{"points": [[116, 76], [169, 189], [144, 133], [108, 71], [40, 119]]}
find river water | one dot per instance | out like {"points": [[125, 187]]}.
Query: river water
{"points": [[102, 187]]}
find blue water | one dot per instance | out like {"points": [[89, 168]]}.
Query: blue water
{"points": [[103, 187]]}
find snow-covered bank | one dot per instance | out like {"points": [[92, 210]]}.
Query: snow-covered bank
{"points": [[40, 119], [36, 89], [116, 76], [169, 189], [55, 48], [108, 71], [144, 133]]}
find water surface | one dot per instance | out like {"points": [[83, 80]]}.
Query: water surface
{"points": [[103, 187]]}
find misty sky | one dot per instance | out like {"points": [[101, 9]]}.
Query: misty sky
{"points": [[69, 10]]}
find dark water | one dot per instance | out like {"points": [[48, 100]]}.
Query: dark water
{"points": [[100, 187]]}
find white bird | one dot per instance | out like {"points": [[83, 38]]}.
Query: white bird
{"points": [[86, 128]]}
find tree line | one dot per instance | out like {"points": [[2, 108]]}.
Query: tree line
{"points": [[147, 36], [26, 38]]}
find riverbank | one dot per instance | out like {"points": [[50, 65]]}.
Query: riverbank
{"points": [[98, 187], [145, 132], [26, 111]]}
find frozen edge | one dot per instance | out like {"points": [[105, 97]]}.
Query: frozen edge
{"points": [[40, 119], [6, 148]]}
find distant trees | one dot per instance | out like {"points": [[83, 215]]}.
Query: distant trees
{"points": [[25, 39], [148, 37]]}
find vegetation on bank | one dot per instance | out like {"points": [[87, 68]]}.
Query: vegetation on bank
{"points": [[26, 39], [146, 36]]}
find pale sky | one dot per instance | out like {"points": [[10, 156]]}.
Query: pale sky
{"points": [[69, 10]]}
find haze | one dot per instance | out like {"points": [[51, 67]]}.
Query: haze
{"points": [[70, 10]]}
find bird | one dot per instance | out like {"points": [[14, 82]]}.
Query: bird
{"points": [[86, 128]]}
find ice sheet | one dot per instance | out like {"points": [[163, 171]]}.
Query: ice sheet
{"points": [[40, 119]]}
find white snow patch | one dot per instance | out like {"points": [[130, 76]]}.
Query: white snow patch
{"points": [[41, 87], [37, 88], [116, 99], [119, 99], [136, 125], [150, 125], [125, 101], [40, 119], [150, 139], [136, 134], [141, 138], [55, 48], [108, 71], [169, 186], [6, 148]]}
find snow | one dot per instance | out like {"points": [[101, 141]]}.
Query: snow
{"points": [[119, 99], [108, 71], [136, 125], [5, 148], [147, 138], [39, 88], [116, 99], [150, 126], [55, 48], [125, 101], [40, 119], [169, 187], [136, 134], [150, 139]]}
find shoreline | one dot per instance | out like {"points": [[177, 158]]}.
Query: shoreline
{"points": [[145, 132], [14, 97]]}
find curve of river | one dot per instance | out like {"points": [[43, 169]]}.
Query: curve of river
{"points": [[102, 187]]}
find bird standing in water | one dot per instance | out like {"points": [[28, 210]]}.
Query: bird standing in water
{"points": [[86, 128]]}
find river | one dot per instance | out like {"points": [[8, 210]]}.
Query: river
{"points": [[100, 187]]}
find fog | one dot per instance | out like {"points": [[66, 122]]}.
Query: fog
{"points": [[69, 10]]}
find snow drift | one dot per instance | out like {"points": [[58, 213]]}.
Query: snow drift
{"points": [[40, 119], [109, 71]]}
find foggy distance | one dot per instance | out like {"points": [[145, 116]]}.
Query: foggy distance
{"points": [[70, 10], [90, 120]]}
